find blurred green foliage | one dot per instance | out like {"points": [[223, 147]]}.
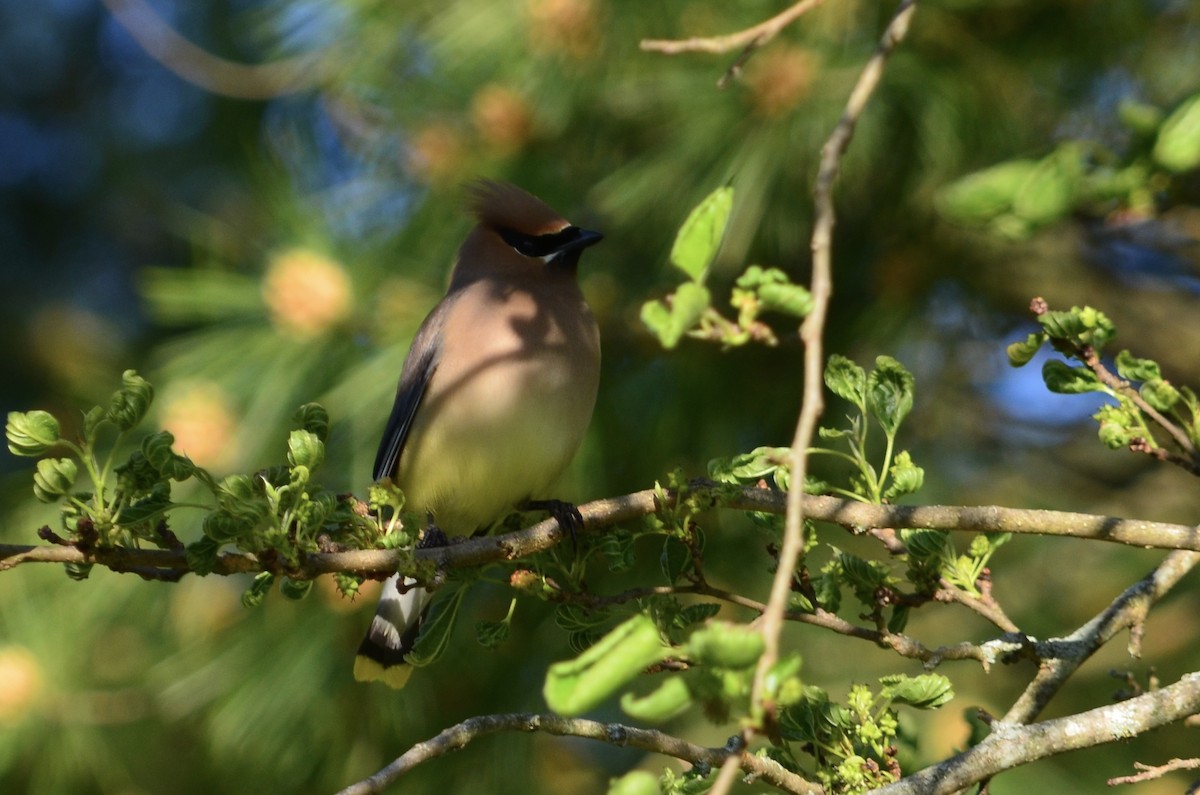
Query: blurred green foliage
{"points": [[252, 257]]}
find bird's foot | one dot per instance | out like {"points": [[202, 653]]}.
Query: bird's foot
{"points": [[566, 514], [433, 537]]}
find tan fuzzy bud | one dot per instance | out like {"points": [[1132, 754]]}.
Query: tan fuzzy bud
{"points": [[501, 117], [307, 294], [198, 414], [436, 154], [567, 27], [20, 683], [780, 79]]}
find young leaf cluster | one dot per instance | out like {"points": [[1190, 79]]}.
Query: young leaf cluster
{"points": [[881, 398], [1149, 413], [853, 746], [1016, 198], [126, 500], [689, 310]]}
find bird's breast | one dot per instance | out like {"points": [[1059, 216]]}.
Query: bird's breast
{"points": [[506, 408]]}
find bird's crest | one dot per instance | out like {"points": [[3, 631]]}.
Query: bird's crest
{"points": [[504, 206]]}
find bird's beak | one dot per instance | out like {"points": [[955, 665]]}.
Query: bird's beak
{"points": [[584, 239]]}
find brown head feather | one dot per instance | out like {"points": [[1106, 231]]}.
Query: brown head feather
{"points": [[504, 206]]}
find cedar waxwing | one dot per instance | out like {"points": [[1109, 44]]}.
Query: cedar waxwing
{"points": [[495, 394]]}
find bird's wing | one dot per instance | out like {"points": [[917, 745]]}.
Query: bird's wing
{"points": [[418, 369]]}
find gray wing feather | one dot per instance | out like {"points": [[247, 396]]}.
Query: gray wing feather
{"points": [[418, 369]]}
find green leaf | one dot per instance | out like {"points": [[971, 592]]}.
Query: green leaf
{"points": [[1020, 353], [889, 393], [224, 527], [775, 291], [637, 782], [313, 417], [675, 559], [827, 587], [861, 574], [295, 589], [1060, 377], [491, 634], [54, 478], [130, 403], [700, 236], [927, 691], [1159, 393], [617, 548], [1139, 117], [1081, 326], [575, 686], [1178, 146], [695, 614], [31, 433], [142, 510], [899, 619], [1116, 429], [978, 198], [305, 449], [906, 476], [696, 781], [78, 571], [236, 488], [575, 617], [1048, 193], [725, 645], [666, 701], [671, 320], [258, 590], [92, 419], [436, 628], [157, 449], [758, 464], [1132, 368], [782, 683], [846, 380], [928, 545], [202, 556]]}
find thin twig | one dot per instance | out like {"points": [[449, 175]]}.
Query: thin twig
{"points": [[1151, 772], [814, 356], [1118, 384], [1126, 611], [1012, 745], [604, 513], [986, 653], [986, 607], [456, 737], [209, 71], [750, 37]]}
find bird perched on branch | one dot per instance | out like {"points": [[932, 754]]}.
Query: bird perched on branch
{"points": [[495, 394]]}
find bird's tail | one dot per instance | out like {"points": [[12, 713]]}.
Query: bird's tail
{"points": [[393, 633]]}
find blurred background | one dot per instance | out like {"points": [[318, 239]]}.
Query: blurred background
{"points": [[253, 237]]}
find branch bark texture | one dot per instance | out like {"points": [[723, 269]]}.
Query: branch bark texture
{"points": [[456, 737], [1012, 745], [601, 514]]}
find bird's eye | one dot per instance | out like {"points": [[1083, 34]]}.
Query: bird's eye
{"points": [[538, 246]]}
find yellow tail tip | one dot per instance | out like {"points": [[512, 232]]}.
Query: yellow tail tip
{"points": [[368, 670]]}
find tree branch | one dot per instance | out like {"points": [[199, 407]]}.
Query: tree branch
{"points": [[1126, 611], [1011, 745], [1151, 772], [206, 70], [456, 737], [811, 334], [599, 514], [1118, 384], [749, 38]]}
